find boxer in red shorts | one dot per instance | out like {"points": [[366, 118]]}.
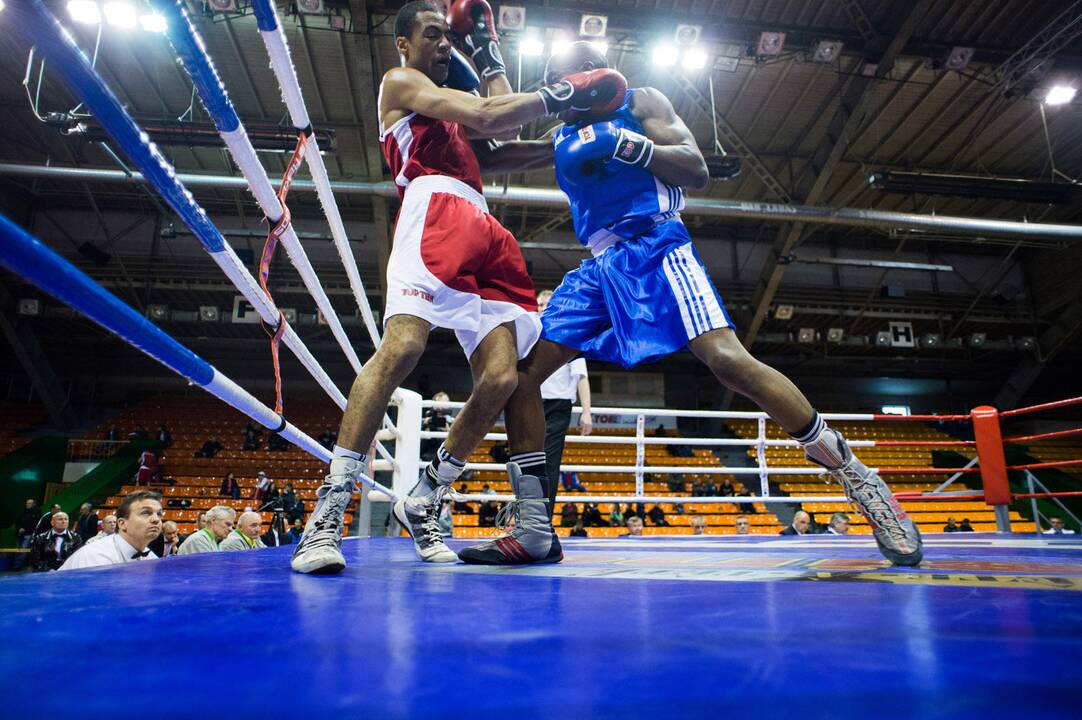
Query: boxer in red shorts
{"points": [[452, 264]]}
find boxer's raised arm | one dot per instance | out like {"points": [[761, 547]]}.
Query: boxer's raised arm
{"points": [[676, 159]]}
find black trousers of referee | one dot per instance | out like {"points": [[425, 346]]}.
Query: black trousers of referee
{"points": [[557, 420]]}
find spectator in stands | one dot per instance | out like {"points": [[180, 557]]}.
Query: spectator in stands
{"points": [[210, 448], [51, 548], [139, 433], [591, 516], [246, 535], [148, 469], [676, 483], [297, 531], [726, 489], [698, 525], [253, 437], [139, 522], [744, 492], [230, 487], [743, 525], [486, 516], [271, 497], [1057, 527], [292, 505], [24, 531], [46, 520], [570, 481], [616, 516], [569, 514], [463, 507], [277, 443], [697, 488], [219, 521], [634, 526], [108, 527], [951, 526], [86, 524], [657, 516], [579, 530], [435, 419], [111, 435], [200, 523], [327, 439], [839, 524], [800, 525], [165, 437], [170, 540], [964, 526], [262, 483], [710, 489], [638, 509], [277, 534]]}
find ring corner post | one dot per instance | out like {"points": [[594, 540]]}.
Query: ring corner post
{"points": [[407, 449], [993, 464]]}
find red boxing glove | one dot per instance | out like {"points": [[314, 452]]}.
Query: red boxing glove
{"points": [[592, 94], [475, 34]]}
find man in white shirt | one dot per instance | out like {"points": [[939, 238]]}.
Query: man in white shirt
{"points": [[139, 521], [108, 527], [558, 393], [839, 524], [1057, 527], [219, 524], [246, 535]]}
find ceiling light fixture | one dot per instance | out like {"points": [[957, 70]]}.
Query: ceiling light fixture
{"points": [[664, 55], [84, 11], [1059, 95]]}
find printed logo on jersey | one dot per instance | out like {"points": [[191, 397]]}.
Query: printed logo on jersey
{"points": [[586, 134]]}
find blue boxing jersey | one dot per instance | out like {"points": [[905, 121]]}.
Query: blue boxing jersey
{"points": [[624, 200]]}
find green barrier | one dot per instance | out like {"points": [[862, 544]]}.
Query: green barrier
{"points": [[109, 475], [24, 473]]}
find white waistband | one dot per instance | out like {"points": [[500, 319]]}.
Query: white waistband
{"points": [[601, 240], [428, 184]]}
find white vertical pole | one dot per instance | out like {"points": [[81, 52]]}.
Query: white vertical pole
{"points": [[760, 453], [640, 452], [407, 447]]}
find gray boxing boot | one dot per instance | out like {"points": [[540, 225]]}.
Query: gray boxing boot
{"points": [[895, 532], [532, 540], [419, 514], [320, 549]]}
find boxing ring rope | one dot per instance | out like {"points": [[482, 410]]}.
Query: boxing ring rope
{"points": [[275, 41], [41, 28], [191, 49], [764, 471], [28, 257]]}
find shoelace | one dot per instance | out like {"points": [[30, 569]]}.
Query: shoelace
{"points": [[430, 526], [873, 504], [324, 531], [506, 513]]}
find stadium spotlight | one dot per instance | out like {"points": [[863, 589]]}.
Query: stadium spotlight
{"points": [[1059, 95], [153, 22], [600, 45], [121, 14], [1, 5], [695, 58], [561, 41], [664, 55], [531, 45], [84, 11]]}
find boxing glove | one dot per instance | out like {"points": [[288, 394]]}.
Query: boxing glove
{"points": [[474, 31], [460, 74], [591, 94], [584, 154]]}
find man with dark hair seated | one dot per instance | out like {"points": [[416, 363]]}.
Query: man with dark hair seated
{"points": [[139, 522], [210, 448]]}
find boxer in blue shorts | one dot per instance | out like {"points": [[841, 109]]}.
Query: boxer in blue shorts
{"points": [[643, 295]]}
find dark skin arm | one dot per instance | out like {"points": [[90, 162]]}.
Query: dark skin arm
{"points": [[406, 90], [516, 156], [677, 159]]}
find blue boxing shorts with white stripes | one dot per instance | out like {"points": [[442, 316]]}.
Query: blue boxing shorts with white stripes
{"points": [[637, 300]]}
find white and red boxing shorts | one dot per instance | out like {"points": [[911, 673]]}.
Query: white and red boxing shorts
{"points": [[455, 266]]}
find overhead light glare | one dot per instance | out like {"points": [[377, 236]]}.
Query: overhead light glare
{"points": [[695, 58], [531, 46], [84, 11], [665, 55], [560, 43], [153, 22], [1059, 95], [600, 45], [121, 15]]}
